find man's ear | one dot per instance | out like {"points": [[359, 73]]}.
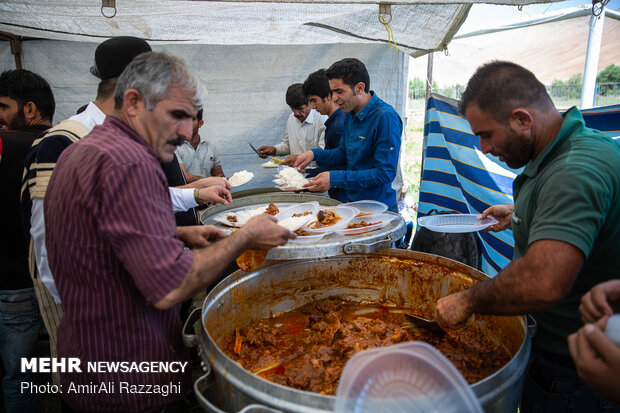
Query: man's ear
{"points": [[521, 119], [31, 112], [200, 123], [359, 87], [132, 102]]}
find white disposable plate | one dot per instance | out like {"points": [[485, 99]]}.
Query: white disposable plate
{"points": [[243, 216], [381, 221], [308, 238], [288, 188], [346, 213], [456, 222], [286, 219], [368, 206]]}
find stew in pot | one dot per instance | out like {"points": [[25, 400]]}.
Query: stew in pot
{"points": [[307, 348]]}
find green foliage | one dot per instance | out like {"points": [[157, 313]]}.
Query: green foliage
{"points": [[576, 79], [416, 83], [611, 74]]}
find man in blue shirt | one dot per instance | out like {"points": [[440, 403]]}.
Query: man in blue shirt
{"points": [[370, 145], [316, 88]]}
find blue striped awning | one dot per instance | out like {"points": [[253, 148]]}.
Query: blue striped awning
{"points": [[457, 176]]}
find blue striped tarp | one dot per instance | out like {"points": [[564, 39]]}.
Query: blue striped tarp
{"points": [[457, 176]]}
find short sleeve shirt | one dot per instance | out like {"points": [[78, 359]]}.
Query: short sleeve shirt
{"points": [[198, 161], [571, 193], [113, 250]]}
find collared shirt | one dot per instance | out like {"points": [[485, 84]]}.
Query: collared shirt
{"points": [[39, 167], [333, 132], [198, 161], [112, 258], [368, 153], [90, 117], [333, 129], [571, 193], [13, 241], [302, 136]]}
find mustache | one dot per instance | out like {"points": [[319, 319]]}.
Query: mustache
{"points": [[178, 141]]}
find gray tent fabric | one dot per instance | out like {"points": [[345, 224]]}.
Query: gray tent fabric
{"points": [[246, 53], [418, 28], [246, 86]]}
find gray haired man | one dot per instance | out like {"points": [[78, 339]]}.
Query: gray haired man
{"points": [[128, 268]]}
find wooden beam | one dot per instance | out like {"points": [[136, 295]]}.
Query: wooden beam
{"points": [[16, 49]]}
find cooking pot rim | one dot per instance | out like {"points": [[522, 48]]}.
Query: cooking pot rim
{"points": [[217, 356]]}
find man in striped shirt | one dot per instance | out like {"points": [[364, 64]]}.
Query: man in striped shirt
{"points": [[121, 268]]}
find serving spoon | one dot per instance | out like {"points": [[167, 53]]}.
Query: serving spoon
{"points": [[430, 325]]}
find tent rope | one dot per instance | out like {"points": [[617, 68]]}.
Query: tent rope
{"points": [[389, 31]]}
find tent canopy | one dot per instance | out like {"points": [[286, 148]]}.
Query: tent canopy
{"points": [[418, 27], [246, 53]]}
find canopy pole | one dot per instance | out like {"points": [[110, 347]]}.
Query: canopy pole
{"points": [[592, 54], [429, 77], [429, 90], [16, 49]]}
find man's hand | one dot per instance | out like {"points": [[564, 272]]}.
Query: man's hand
{"points": [[266, 233], [602, 300], [597, 359], [290, 161], [319, 183], [503, 213], [453, 311], [215, 194], [211, 181], [199, 236], [265, 151], [303, 160]]}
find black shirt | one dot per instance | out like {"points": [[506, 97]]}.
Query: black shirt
{"points": [[13, 237]]}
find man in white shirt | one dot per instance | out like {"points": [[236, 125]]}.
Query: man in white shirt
{"points": [[305, 127], [198, 157]]}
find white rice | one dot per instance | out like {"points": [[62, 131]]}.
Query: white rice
{"points": [[290, 177], [240, 178]]}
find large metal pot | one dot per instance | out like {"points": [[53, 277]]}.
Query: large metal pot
{"points": [[404, 278]]}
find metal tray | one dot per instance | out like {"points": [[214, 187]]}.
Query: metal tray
{"points": [[328, 246]]}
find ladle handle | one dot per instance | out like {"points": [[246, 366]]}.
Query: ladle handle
{"points": [[532, 325], [210, 407], [191, 340]]}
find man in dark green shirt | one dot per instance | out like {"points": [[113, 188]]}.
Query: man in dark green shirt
{"points": [[564, 219]]}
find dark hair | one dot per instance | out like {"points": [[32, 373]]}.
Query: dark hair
{"points": [[295, 97], [24, 86], [351, 71], [317, 84], [199, 115], [106, 88], [498, 87]]}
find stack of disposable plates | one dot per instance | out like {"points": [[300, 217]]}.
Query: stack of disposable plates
{"points": [[368, 207], [410, 377], [456, 222]]}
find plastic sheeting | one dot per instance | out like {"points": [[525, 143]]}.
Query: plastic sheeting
{"points": [[417, 28], [554, 17], [246, 87]]}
